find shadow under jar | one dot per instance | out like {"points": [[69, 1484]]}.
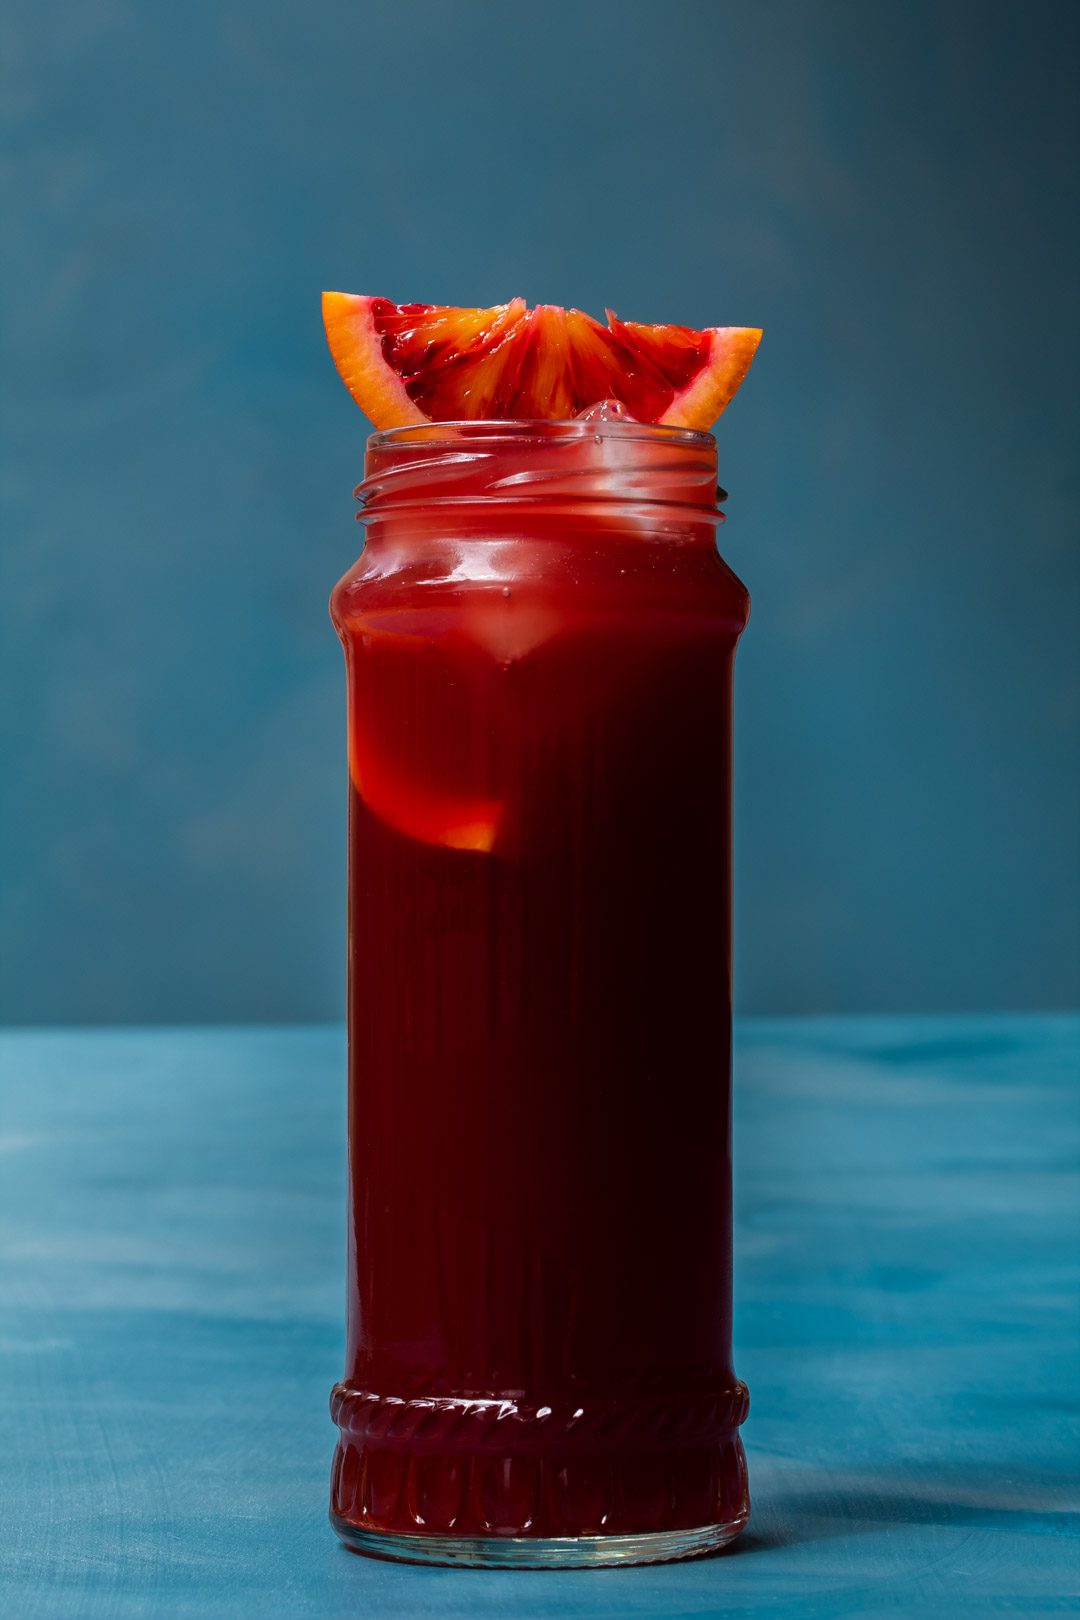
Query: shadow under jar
{"points": [[539, 637]]}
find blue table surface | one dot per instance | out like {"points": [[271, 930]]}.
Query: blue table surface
{"points": [[908, 1320]]}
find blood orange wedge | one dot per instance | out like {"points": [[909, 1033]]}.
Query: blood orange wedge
{"points": [[409, 363]]}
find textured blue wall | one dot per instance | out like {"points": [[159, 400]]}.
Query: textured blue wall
{"points": [[886, 189]]}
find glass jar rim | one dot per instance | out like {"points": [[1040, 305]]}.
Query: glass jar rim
{"points": [[524, 429]]}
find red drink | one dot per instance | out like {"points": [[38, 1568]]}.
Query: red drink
{"points": [[539, 637]]}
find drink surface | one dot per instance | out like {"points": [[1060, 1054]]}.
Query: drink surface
{"points": [[539, 903]]}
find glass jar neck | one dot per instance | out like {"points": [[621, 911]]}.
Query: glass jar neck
{"points": [[629, 470]]}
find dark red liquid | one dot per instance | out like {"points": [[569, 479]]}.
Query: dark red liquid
{"points": [[539, 1009]]}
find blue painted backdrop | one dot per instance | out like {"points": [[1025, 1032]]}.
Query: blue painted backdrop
{"points": [[886, 189]]}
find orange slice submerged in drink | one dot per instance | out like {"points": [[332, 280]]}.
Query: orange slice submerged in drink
{"points": [[420, 755], [410, 807]]}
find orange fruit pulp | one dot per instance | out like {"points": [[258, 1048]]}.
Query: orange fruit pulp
{"points": [[413, 363]]}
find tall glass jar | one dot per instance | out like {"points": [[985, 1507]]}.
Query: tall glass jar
{"points": [[539, 637]]}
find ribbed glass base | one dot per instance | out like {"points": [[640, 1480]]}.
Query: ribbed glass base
{"points": [[539, 1552]]}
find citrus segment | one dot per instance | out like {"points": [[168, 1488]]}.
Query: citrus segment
{"points": [[455, 823], [412, 363]]}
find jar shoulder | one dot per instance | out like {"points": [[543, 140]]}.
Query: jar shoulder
{"points": [[631, 579]]}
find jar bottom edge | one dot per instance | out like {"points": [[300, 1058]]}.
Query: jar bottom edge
{"points": [[540, 1552]]}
